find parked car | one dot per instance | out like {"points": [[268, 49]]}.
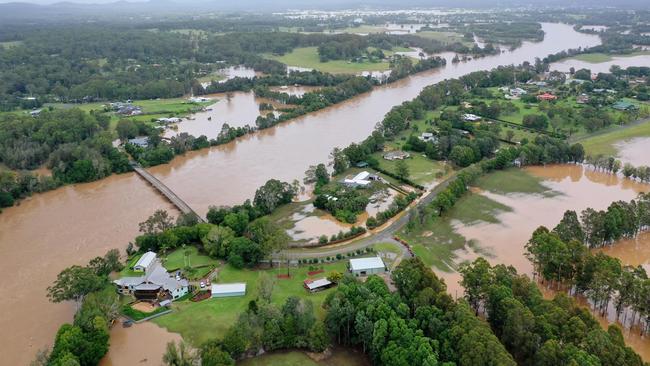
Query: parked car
{"points": [[202, 284]]}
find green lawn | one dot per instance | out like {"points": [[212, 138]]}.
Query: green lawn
{"points": [[603, 143], [422, 170], [308, 57], [178, 259], [596, 58], [360, 29], [208, 319], [445, 37], [513, 181]]}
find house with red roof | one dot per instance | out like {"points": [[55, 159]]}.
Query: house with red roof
{"points": [[546, 96]]}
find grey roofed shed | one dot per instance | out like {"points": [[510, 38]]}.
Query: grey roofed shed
{"points": [[228, 289], [367, 266]]}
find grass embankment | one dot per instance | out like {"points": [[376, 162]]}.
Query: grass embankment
{"points": [[308, 57], [208, 319], [436, 241], [596, 58], [604, 143]]}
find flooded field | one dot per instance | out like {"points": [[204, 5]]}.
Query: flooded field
{"points": [[73, 224], [569, 187], [622, 61], [635, 151]]}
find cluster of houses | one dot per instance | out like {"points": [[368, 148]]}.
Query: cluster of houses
{"points": [[125, 109]]}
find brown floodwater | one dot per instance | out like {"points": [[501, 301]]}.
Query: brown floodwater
{"points": [[73, 224], [51, 231], [576, 188], [123, 352], [596, 67], [635, 151]]}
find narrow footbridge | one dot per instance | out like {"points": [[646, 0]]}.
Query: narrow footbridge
{"points": [[165, 191]]}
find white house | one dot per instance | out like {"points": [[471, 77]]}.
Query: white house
{"points": [[228, 289], [367, 266], [427, 137], [471, 117], [359, 180], [155, 284], [145, 262]]}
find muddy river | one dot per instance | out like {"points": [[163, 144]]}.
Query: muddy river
{"points": [[73, 224], [574, 188], [596, 67]]}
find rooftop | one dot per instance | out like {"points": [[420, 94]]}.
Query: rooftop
{"points": [[317, 283], [146, 259], [227, 288], [360, 264]]}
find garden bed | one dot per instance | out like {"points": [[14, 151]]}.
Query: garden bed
{"points": [[201, 295]]}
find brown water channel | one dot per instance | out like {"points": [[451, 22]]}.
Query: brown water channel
{"points": [[575, 188], [73, 224]]}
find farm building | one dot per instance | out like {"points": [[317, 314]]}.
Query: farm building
{"points": [[318, 285], [367, 266], [144, 262], [228, 289]]}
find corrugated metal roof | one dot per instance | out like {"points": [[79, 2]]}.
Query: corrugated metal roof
{"points": [[361, 264], [228, 288], [146, 260], [318, 283]]}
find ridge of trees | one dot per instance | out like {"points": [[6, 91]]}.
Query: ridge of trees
{"points": [[538, 331]]}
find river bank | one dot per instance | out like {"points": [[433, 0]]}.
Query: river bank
{"points": [[79, 222]]}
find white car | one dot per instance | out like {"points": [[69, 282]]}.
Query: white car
{"points": [[202, 284]]}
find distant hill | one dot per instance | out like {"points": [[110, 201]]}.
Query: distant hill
{"points": [[45, 10]]}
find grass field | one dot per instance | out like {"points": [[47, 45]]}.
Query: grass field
{"points": [[178, 259], [604, 143], [359, 29], [595, 58], [201, 321], [308, 57], [422, 170], [513, 181], [445, 37]]}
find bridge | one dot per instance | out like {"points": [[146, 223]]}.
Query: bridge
{"points": [[165, 191]]}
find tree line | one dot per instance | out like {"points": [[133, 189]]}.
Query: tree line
{"points": [[537, 331], [419, 324]]}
